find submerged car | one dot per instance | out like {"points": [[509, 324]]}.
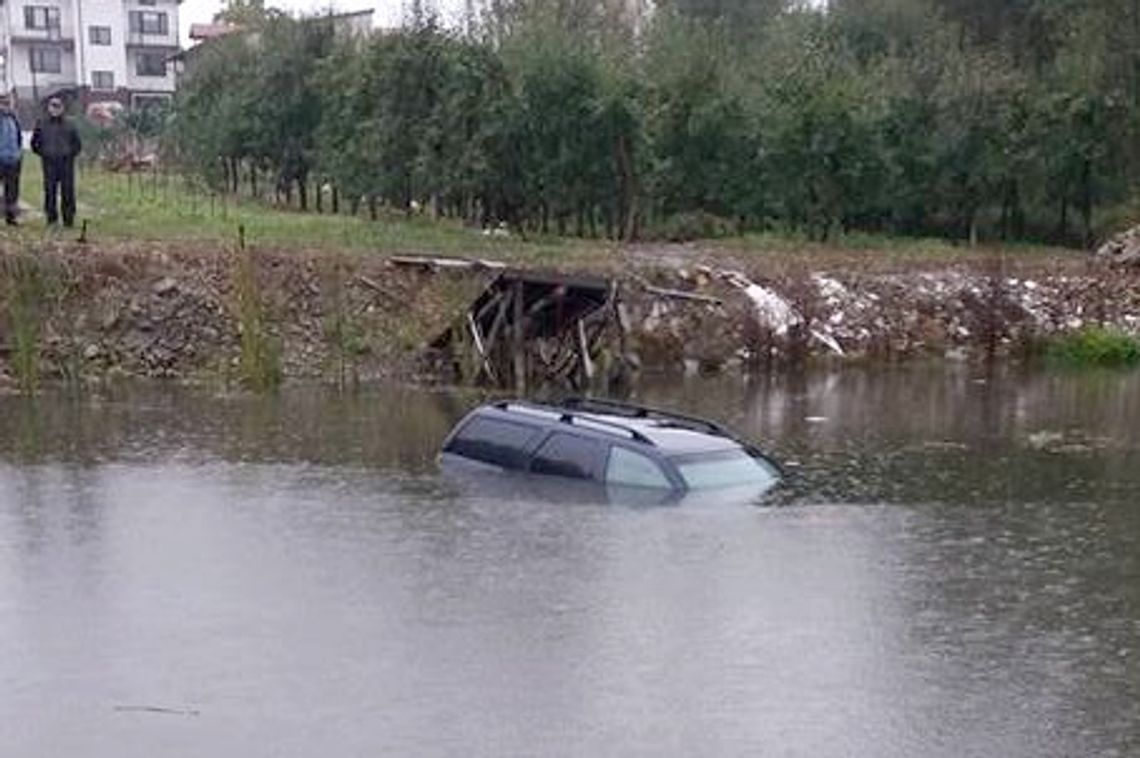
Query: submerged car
{"points": [[614, 444]]}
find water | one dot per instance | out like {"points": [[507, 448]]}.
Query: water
{"points": [[953, 571]]}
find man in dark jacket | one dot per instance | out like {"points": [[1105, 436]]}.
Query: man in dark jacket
{"points": [[56, 141], [11, 155]]}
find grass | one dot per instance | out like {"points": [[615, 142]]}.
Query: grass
{"points": [[893, 247], [1095, 347], [260, 356], [160, 207], [26, 292]]}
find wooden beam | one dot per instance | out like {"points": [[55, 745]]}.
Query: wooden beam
{"points": [[497, 324], [480, 351], [519, 342], [584, 348]]}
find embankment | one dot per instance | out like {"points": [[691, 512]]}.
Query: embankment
{"points": [[78, 312]]}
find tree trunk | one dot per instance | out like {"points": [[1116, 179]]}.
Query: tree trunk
{"points": [[1087, 201], [628, 189]]}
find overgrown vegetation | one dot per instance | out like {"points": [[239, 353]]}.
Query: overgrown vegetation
{"points": [[26, 296], [1095, 346], [343, 331], [259, 360], [949, 118]]}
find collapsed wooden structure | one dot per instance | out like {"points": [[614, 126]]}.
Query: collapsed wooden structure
{"points": [[528, 328]]}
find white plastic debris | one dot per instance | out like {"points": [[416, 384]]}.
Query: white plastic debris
{"points": [[828, 341], [772, 310]]}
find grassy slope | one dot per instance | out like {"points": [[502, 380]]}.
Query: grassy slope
{"points": [[143, 207], [146, 207]]}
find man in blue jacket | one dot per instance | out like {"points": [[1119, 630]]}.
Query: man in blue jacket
{"points": [[56, 141], [11, 155]]}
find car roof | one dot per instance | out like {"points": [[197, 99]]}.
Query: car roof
{"points": [[669, 433]]}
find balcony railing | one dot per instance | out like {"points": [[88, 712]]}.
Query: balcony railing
{"points": [[162, 41], [51, 34], [39, 32]]}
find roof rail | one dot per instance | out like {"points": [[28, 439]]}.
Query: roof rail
{"points": [[571, 418], [566, 416], [594, 405]]}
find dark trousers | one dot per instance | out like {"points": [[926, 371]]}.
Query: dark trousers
{"points": [[10, 177], [59, 181]]}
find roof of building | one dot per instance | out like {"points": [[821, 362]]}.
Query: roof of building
{"points": [[202, 32], [211, 31]]}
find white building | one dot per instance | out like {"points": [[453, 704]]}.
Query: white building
{"points": [[88, 50]]}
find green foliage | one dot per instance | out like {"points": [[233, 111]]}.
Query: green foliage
{"points": [[957, 118], [260, 356], [1095, 346], [98, 140], [27, 293], [343, 331], [246, 13]]}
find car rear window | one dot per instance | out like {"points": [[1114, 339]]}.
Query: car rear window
{"points": [[566, 455], [502, 443], [728, 468]]}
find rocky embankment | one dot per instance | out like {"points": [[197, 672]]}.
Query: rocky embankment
{"points": [[79, 312]]}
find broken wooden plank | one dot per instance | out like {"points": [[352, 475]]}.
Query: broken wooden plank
{"points": [[584, 347], [682, 295], [518, 346], [435, 263], [480, 351]]}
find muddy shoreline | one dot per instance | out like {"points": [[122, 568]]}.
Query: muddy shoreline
{"points": [[190, 312]]}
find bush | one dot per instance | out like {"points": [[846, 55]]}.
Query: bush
{"points": [[1095, 346], [694, 225]]}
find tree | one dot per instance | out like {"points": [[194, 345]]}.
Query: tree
{"points": [[247, 13]]}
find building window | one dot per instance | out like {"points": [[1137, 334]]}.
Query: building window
{"points": [[46, 60], [150, 64], [144, 102], [99, 35], [41, 17], [103, 80], [148, 22]]}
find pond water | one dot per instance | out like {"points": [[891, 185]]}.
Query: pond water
{"points": [[952, 570]]}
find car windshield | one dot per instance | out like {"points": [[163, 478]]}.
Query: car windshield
{"points": [[726, 468]]}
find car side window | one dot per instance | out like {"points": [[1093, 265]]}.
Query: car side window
{"points": [[501, 443], [567, 455], [625, 467]]}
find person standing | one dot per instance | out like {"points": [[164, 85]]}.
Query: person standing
{"points": [[11, 158], [56, 141]]}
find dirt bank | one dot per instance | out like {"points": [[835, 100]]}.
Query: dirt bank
{"points": [[191, 312]]}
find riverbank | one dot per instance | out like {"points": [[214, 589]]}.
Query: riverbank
{"points": [[217, 312]]}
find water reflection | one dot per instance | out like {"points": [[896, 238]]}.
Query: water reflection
{"points": [[396, 427], [956, 572], [478, 482]]}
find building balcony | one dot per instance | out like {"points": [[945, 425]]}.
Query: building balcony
{"points": [[167, 42], [158, 46], [42, 37]]}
